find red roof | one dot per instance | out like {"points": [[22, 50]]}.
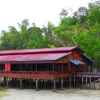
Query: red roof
{"points": [[32, 57], [42, 50]]}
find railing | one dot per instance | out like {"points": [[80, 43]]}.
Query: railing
{"points": [[34, 75], [88, 74]]}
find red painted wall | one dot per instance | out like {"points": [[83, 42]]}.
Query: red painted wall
{"points": [[7, 67]]}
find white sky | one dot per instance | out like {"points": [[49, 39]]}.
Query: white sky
{"points": [[38, 11]]}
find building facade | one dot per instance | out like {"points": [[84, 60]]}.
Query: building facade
{"points": [[51, 65]]}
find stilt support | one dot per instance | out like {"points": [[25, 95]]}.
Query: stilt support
{"points": [[70, 80], [90, 82], [21, 84], [36, 82], [86, 82], [54, 85], [5, 82], [82, 82], [74, 81], [62, 84]]}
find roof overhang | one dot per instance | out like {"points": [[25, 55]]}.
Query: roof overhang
{"points": [[32, 57], [42, 50]]}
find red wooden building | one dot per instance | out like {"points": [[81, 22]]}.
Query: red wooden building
{"points": [[48, 64]]}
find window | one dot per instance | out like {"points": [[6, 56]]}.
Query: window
{"points": [[39, 67], [1, 67]]}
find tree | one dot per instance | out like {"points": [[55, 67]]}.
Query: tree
{"points": [[24, 37]]}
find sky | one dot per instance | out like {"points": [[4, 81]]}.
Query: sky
{"points": [[37, 11]]}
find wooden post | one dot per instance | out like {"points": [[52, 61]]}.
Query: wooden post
{"points": [[4, 81], [36, 83], [62, 84], [44, 84], [86, 81], [54, 84], [94, 82], [99, 83], [40, 85], [7, 82], [74, 81], [20, 83], [90, 82], [33, 84], [82, 81], [70, 80], [50, 84]]}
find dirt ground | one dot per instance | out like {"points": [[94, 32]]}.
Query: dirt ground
{"points": [[68, 94]]}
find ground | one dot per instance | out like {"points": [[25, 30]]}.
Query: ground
{"points": [[70, 94], [2, 92]]}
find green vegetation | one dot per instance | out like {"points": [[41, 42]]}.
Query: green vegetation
{"points": [[2, 92], [83, 29]]}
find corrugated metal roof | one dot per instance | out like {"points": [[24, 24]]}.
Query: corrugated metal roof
{"points": [[32, 57], [42, 50]]}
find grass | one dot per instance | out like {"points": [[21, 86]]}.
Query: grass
{"points": [[3, 92]]}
